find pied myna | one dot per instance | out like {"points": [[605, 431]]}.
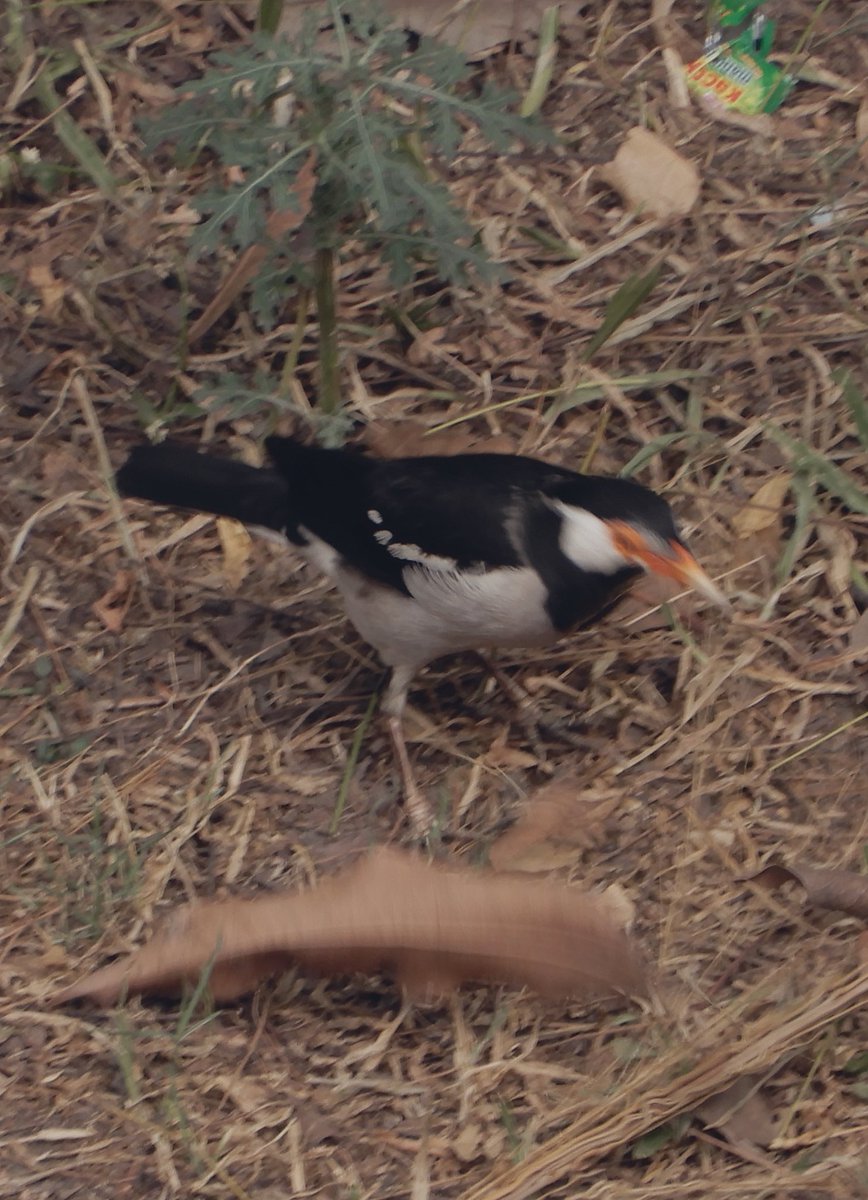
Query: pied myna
{"points": [[434, 555]]}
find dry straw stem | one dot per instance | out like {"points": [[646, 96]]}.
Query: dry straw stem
{"points": [[79, 388], [727, 1049], [7, 634]]}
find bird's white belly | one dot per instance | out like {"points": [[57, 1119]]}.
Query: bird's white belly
{"points": [[447, 612]]}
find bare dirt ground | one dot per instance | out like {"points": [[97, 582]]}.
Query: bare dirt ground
{"points": [[191, 739]]}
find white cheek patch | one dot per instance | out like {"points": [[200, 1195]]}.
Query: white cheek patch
{"points": [[587, 541]]}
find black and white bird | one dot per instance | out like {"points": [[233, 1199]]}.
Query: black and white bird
{"points": [[434, 555]]}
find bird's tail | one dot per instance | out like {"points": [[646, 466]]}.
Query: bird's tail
{"points": [[179, 476]]}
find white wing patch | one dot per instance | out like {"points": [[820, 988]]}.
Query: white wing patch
{"points": [[409, 551], [375, 517]]}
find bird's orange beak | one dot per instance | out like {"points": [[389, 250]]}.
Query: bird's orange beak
{"points": [[674, 561]]}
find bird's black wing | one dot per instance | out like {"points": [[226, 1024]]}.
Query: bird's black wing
{"points": [[482, 511], [460, 509], [385, 515]]}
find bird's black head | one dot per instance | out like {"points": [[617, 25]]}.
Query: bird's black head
{"points": [[612, 523]]}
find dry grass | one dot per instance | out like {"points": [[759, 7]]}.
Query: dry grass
{"points": [[201, 748]]}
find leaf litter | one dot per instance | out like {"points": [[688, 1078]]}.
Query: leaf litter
{"points": [[825, 887], [558, 822], [431, 926], [756, 310]]}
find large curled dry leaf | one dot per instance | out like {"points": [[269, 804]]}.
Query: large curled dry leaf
{"points": [[652, 177], [432, 926], [477, 28], [825, 887]]}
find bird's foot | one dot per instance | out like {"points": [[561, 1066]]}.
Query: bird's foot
{"points": [[415, 805]]}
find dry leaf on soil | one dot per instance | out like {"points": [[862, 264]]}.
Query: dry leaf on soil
{"points": [[236, 544], [432, 926], [112, 607], [741, 1113], [652, 177], [763, 510], [758, 527], [51, 289], [559, 820], [476, 28], [825, 888]]}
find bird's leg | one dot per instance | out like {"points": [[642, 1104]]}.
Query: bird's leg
{"points": [[394, 703], [528, 714]]}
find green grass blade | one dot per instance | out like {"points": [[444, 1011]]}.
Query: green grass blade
{"points": [[583, 393], [545, 62], [352, 759], [803, 490], [854, 398], [629, 296], [814, 464], [269, 15], [647, 452]]}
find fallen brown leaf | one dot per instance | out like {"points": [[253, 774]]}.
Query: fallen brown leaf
{"points": [[61, 469], [112, 607], [559, 820], [432, 926], [741, 1114], [825, 887], [763, 510], [477, 28], [51, 289], [236, 544], [652, 177]]}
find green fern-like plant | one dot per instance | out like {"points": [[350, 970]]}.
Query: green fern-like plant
{"points": [[382, 122]]}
